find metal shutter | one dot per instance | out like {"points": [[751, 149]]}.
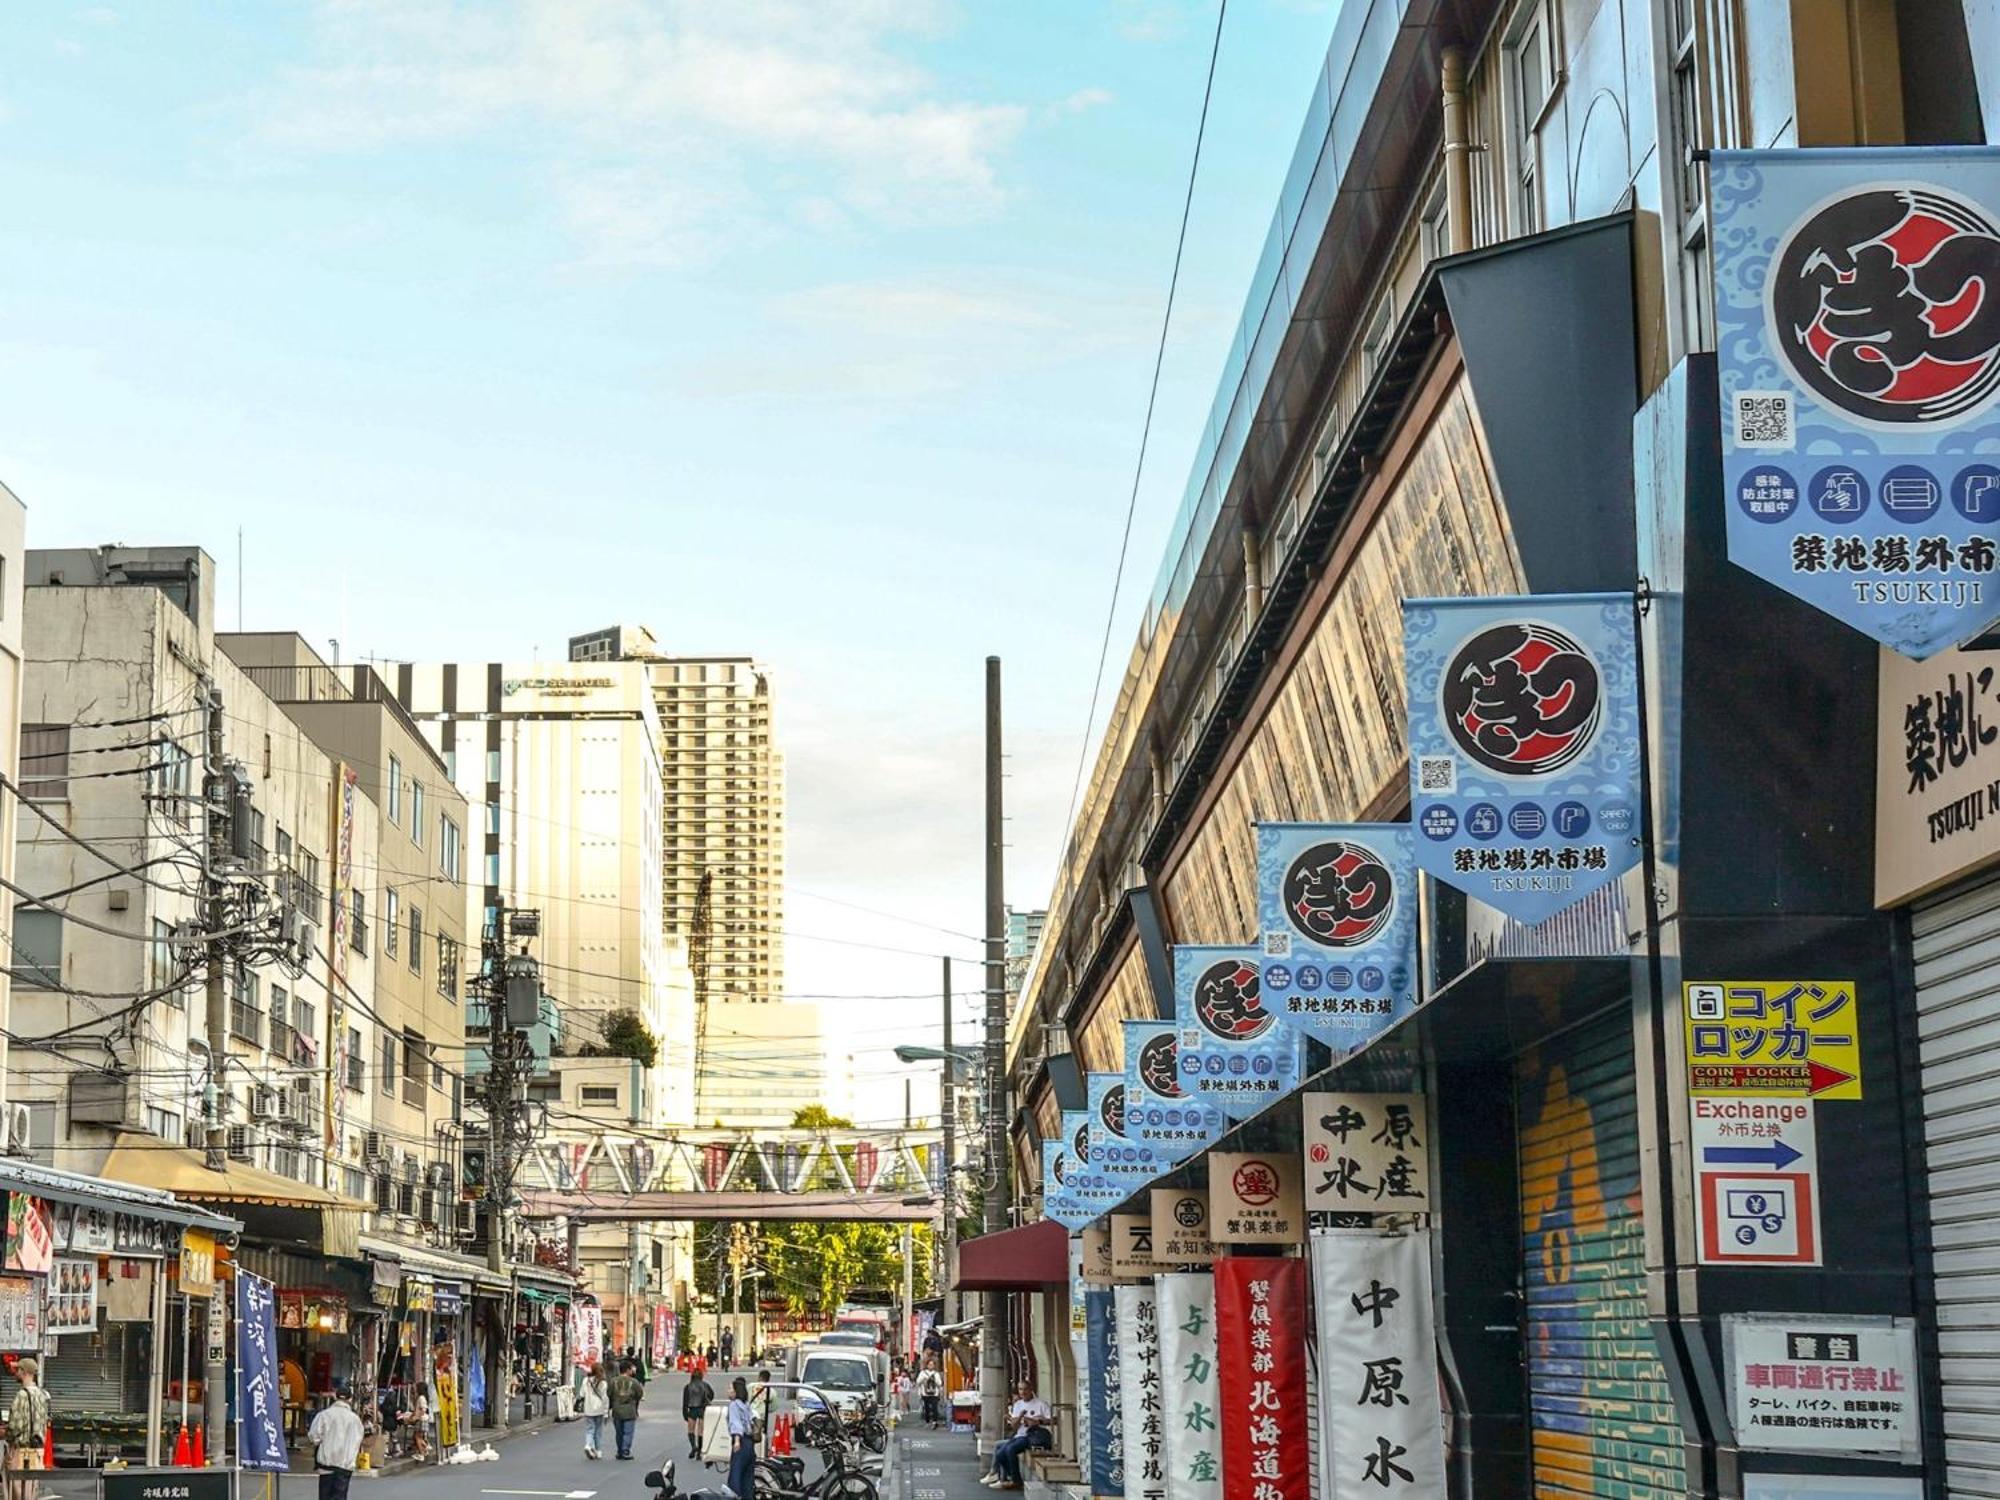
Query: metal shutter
{"points": [[1602, 1420], [85, 1374], [1957, 950]]}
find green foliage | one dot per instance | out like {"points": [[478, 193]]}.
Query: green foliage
{"points": [[819, 1117], [625, 1035], [816, 1265]]}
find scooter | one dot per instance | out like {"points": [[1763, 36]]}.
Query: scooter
{"points": [[661, 1482]]}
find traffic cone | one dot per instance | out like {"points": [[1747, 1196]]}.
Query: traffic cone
{"points": [[48, 1447], [781, 1436], [200, 1459], [183, 1452]]}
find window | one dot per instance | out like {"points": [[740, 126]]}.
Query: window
{"points": [[1375, 341], [284, 848], [493, 870], [493, 819], [45, 762], [281, 1024], [437, 1072], [38, 944], [1697, 292], [598, 1093], [391, 912], [160, 960], [305, 1026], [260, 852], [1435, 225], [309, 875], [1531, 80], [164, 1123], [357, 927], [245, 1019], [395, 790], [448, 963], [388, 1063], [416, 1064], [174, 780], [417, 813], [416, 940], [354, 1063], [449, 840]]}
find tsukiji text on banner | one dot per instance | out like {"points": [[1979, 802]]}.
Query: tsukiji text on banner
{"points": [[1123, 1161], [1260, 1315], [1337, 914], [1107, 1413], [1382, 1430], [1190, 1388], [1524, 746], [1139, 1370], [1058, 1202], [1171, 1120], [1232, 1051], [1089, 1185], [1857, 311]]}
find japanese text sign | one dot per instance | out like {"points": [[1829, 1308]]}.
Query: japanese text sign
{"points": [[1144, 1445], [1937, 770], [1232, 1051], [1858, 347], [1337, 913], [1159, 1113], [1756, 1165], [588, 1346], [197, 1263], [1190, 1385], [1382, 1429], [1180, 1227], [1367, 1153], [20, 1314], [1823, 1385], [1792, 1037], [260, 1401], [1097, 1262], [1132, 1247], [1255, 1198], [1107, 1412], [1260, 1317], [1524, 746], [1125, 1161]]}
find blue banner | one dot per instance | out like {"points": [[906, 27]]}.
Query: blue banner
{"points": [[1524, 746], [1337, 908], [1058, 1202], [1159, 1113], [1857, 323], [260, 1402], [1107, 1410], [1233, 1053], [1131, 1164], [1090, 1186]]}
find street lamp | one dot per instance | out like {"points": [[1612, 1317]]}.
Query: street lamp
{"points": [[960, 1057]]}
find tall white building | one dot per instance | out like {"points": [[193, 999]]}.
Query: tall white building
{"points": [[763, 1062]]}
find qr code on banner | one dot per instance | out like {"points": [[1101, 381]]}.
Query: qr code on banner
{"points": [[1277, 945], [1764, 420], [1437, 774]]}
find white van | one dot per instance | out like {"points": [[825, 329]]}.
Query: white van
{"points": [[843, 1372]]}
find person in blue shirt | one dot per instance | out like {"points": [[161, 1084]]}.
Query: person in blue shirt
{"points": [[742, 1439]]}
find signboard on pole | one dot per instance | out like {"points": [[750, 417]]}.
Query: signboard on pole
{"points": [[1097, 1253], [1255, 1198], [1378, 1381], [1260, 1317], [1132, 1247], [1159, 1112], [1756, 1165], [1367, 1153], [1107, 1412], [1792, 1038], [587, 1347], [1524, 746], [1337, 912], [260, 1401], [1232, 1053], [1937, 771], [1858, 350], [1180, 1227], [1144, 1442], [1190, 1386], [1823, 1385]]}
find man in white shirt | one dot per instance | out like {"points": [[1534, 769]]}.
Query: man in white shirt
{"points": [[1030, 1418], [336, 1438]]}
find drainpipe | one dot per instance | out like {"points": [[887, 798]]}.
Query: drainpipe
{"points": [[1457, 153], [1253, 573]]}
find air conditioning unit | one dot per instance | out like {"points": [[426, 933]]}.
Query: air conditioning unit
{"points": [[412, 1168], [19, 1129], [465, 1217], [427, 1211], [243, 1142], [372, 1149], [271, 1104]]}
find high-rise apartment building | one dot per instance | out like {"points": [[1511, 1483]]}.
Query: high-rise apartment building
{"points": [[722, 808]]}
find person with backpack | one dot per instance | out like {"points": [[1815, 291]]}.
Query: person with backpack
{"points": [[626, 1393], [930, 1386], [695, 1398]]}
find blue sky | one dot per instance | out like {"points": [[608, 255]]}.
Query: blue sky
{"points": [[816, 329]]}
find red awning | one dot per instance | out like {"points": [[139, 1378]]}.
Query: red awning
{"points": [[1029, 1259]]}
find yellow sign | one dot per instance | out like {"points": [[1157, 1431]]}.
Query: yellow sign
{"points": [[1790, 1037], [197, 1264]]}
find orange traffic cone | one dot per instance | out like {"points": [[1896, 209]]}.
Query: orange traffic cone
{"points": [[183, 1451], [200, 1459]]}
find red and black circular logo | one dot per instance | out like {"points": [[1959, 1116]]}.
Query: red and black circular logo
{"points": [[1079, 1145], [1338, 893], [1522, 699], [1255, 1183], [1111, 1109], [1062, 1171], [1226, 1003], [1159, 1065], [1885, 304]]}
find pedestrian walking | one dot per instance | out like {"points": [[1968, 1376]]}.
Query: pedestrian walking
{"points": [[728, 1347], [695, 1397], [930, 1386], [336, 1438], [626, 1392], [742, 1439], [596, 1407]]}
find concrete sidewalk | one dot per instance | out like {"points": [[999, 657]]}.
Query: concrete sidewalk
{"points": [[943, 1465]]}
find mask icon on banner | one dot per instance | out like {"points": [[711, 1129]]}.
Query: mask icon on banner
{"points": [[1338, 894], [1885, 303], [1226, 1002], [1159, 1065], [1522, 699]]}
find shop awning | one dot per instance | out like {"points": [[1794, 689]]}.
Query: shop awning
{"points": [[1029, 1259], [149, 1161], [417, 1258], [142, 1197]]}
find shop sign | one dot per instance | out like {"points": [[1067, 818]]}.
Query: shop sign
{"points": [[260, 1399], [1160, 1113], [72, 1295], [218, 1330], [1365, 1153], [1255, 1198], [1832, 1487], [1378, 1378], [1180, 1227], [1337, 913], [1937, 770], [1756, 1165], [1130, 1163], [587, 1327], [20, 1314], [1097, 1263], [1190, 1385], [1858, 348], [132, 1234], [1077, 1288], [1260, 1318], [1795, 1038], [85, 1231], [197, 1263], [419, 1295], [664, 1319], [1107, 1410], [1232, 1051], [166, 1484], [447, 1299], [1524, 746], [30, 1236], [1132, 1257], [1823, 1385], [1144, 1441]]}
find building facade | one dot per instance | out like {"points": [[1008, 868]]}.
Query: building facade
{"points": [[761, 1063]]}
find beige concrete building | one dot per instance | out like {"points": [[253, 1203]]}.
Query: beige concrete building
{"points": [[13, 565], [761, 1063]]}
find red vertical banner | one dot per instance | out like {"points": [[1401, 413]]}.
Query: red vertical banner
{"points": [[1260, 1323]]}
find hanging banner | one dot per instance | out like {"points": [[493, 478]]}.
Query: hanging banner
{"points": [[1255, 1198], [260, 1400], [1159, 1113], [1058, 1202], [1857, 310], [1381, 1425], [1365, 1154], [1139, 1373], [1123, 1160], [31, 1240], [1107, 1415], [1260, 1319], [1524, 746], [1079, 1341], [1180, 1227], [1233, 1053], [1189, 1385], [1337, 911], [587, 1345], [1090, 1186], [1132, 1256], [663, 1335]]}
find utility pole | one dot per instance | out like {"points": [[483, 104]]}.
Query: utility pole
{"points": [[512, 986], [224, 799], [948, 1106], [992, 1330]]}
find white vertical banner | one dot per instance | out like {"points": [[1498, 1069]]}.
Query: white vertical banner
{"points": [[1079, 1347], [1139, 1374], [1190, 1388], [1382, 1431]]}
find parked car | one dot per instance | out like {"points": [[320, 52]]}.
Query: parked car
{"points": [[842, 1371]]}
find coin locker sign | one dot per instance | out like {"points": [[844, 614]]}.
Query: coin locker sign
{"points": [[1794, 1038]]}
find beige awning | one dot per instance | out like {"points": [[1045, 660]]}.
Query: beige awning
{"points": [[151, 1162]]}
